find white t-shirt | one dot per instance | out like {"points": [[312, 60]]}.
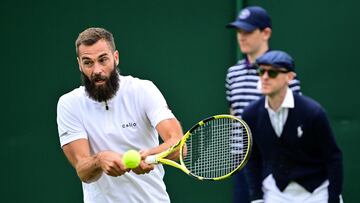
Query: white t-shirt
{"points": [[129, 123]]}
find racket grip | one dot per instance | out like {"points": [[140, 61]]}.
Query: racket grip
{"points": [[151, 159]]}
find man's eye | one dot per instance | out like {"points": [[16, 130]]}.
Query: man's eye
{"points": [[87, 63], [103, 60]]}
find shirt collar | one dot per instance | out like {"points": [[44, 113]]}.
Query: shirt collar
{"points": [[287, 103]]}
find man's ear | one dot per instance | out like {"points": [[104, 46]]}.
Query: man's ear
{"points": [[267, 33], [291, 76], [116, 57], [78, 60]]}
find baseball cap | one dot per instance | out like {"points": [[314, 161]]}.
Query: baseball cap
{"points": [[276, 59], [251, 18]]}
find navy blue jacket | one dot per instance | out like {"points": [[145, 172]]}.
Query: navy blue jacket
{"points": [[306, 151]]}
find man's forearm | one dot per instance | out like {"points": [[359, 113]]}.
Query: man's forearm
{"points": [[89, 169]]}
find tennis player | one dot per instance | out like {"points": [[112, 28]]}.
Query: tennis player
{"points": [[295, 157], [109, 115]]}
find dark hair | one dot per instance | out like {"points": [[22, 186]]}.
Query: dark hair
{"points": [[90, 36]]}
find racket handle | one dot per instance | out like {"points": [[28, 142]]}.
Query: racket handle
{"points": [[151, 159]]}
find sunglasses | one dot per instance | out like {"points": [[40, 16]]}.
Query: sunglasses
{"points": [[272, 73]]}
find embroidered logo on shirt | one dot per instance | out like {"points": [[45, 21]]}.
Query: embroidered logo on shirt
{"points": [[128, 125], [299, 131]]}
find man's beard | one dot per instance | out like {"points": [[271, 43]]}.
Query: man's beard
{"points": [[103, 92]]}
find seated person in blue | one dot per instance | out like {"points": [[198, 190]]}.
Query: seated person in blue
{"points": [[295, 157]]}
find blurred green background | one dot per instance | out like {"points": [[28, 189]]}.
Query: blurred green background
{"points": [[185, 49]]}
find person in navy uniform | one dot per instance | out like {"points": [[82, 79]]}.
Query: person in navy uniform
{"points": [[295, 157]]}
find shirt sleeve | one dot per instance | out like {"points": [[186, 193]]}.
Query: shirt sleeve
{"points": [[294, 85], [227, 89], [70, 127], [155, 104]]}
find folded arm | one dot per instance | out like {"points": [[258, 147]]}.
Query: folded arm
{"points": [[90, 167]]}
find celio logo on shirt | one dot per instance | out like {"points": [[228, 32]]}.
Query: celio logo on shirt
{"points": [[129, 125]]}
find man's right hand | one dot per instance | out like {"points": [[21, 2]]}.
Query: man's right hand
{"points": [[111, 163]]}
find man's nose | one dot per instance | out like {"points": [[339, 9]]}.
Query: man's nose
{"points": [[98, 68]]}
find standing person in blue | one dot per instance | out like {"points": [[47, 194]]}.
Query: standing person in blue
{"points": [[295, 157], [254, 29]]}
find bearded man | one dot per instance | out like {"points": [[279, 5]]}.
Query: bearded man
{"points": [[109, 115]]}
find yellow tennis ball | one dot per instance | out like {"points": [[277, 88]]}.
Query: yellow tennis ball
{"points": [[131, 158]]}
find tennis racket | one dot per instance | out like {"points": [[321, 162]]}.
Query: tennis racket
{"points": [[216, 147]]}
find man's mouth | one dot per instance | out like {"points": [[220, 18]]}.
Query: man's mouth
{"points": [[99, 81]]}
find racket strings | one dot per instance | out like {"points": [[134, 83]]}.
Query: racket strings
{"points": [[216, 148]]}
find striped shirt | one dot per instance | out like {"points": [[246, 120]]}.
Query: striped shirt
{"points": [[242, 83]]}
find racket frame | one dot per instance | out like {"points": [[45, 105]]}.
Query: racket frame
{"points": [[160, 158]]}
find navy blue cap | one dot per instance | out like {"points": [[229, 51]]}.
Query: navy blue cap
{"points": [[251, 18], [277, 59]]}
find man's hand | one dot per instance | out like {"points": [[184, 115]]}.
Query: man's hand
{"points": [[111, 163], [143, 167]]}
